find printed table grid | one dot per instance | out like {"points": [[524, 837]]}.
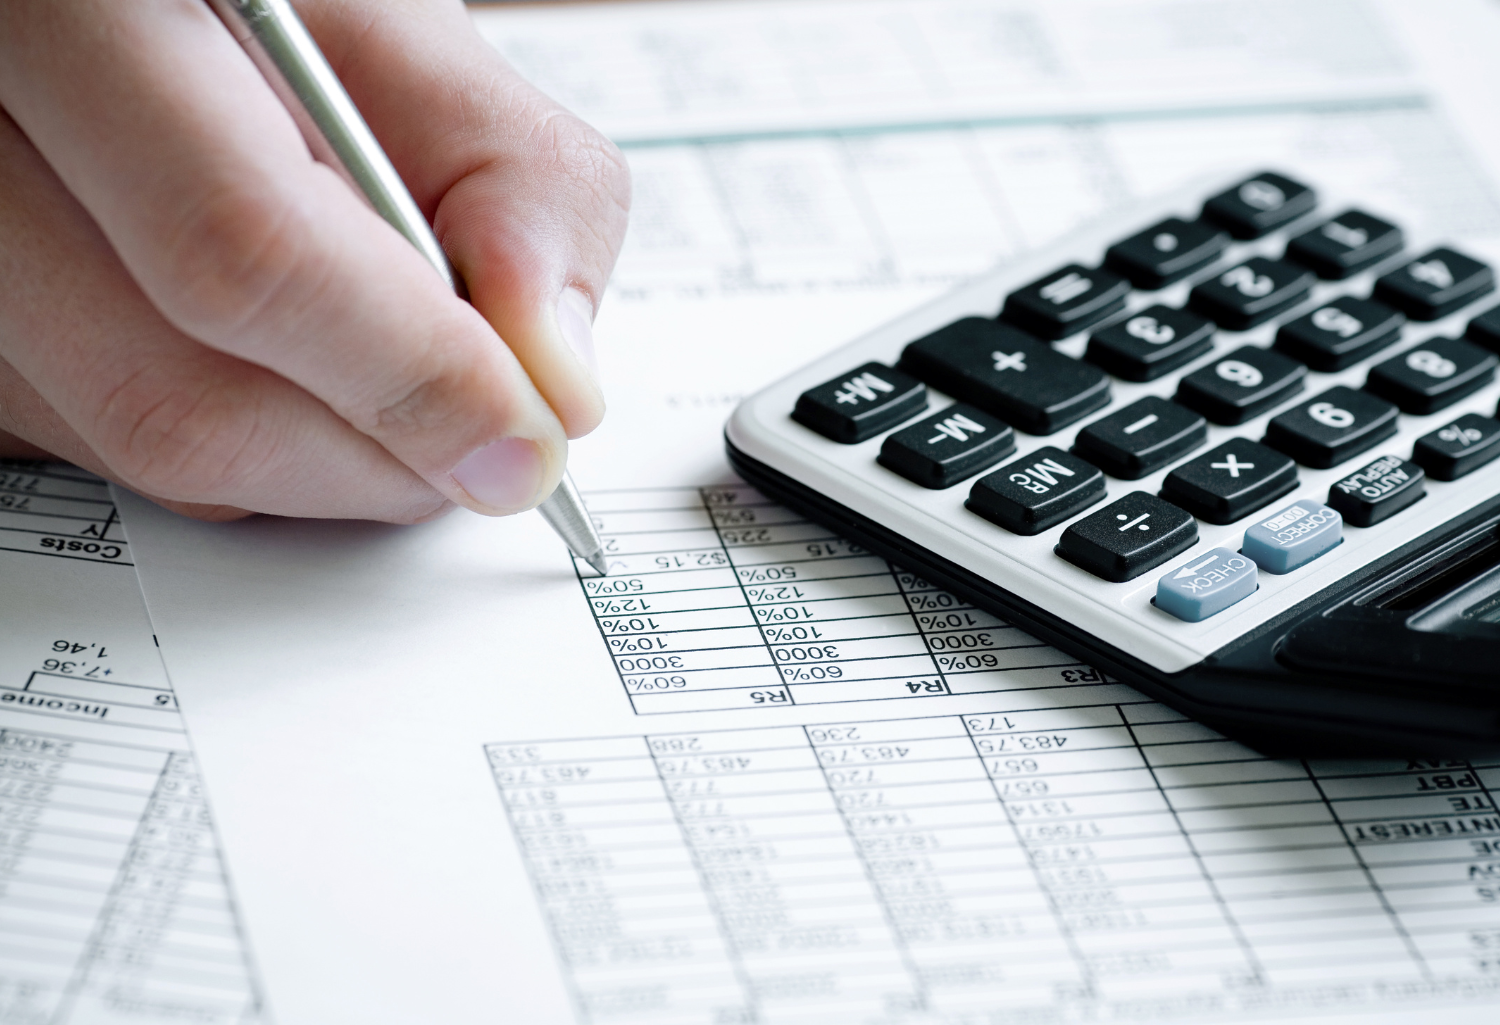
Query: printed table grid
{"points": [[58, 510], [1071, 863], [718, 598]]}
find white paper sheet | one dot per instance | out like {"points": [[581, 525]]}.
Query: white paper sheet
{"points": [[114, 906], [460, 782]]}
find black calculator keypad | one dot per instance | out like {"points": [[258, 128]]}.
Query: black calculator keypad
{"points": [[1154, 342], [1141, 438], [856, 406], [1230, 481], [1251, 293], [1377, 491], [1457, 449], [1066, 301], [1337, 425], [1128, 537], [1259, 205], [1340, 333], [1241, 385], [946, 447], [1485, 329], [1166, 252], [1346, 245], [1435, 284], [1037, 491], [1433, 375], [1008, 374]]}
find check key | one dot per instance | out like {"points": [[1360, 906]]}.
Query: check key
{"points": [[1207, 585]]}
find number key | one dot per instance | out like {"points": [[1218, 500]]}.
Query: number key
{"points": [[1154, 342], [1433, 375], [1340, 334], [1241, 385], [1252, 293], [1346, 245], [1336, 425], [1435, 284], [1260, 205]]}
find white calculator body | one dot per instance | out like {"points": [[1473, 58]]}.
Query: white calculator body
{"points": [[1234, 447]]}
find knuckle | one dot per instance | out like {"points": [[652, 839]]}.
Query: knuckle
{"points": [[592, 168], [232, 255], [185, 444]]}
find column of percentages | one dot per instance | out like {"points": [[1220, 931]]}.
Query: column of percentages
{"points": [[719, 598]]}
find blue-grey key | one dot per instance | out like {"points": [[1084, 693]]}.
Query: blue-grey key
{"points": [[1207, 585], [1294, 536]]}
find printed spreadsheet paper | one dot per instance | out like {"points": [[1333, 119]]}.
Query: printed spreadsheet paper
{"points": [[757, 774], [114, 907]]}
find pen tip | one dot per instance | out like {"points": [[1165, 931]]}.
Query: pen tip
{"points": [[598, 561]]}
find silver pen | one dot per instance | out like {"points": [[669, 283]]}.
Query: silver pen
{"points": [[281, 47]]}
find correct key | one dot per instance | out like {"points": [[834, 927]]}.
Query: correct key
{"points": [[1252, 293], [948, 446], [1141, 438], [1037, 491], [1337, 425], [858, 405], [1066, 301], [1007, 373], [1241, 385], [1128, 537]]}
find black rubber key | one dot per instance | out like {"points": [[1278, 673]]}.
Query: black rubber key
{"points": [[860, 404], [1066, 301], [1252, 293], [1141, 438], [947, 446], [1485, 329], [1459, 448], [1336, 425], [1037, 491], [1340, 334], [1377, 491], [1230, 481], [1346, 245], [1154, 342], [1007, 373], [1128, 537], [1241, 385], [1260, 205], [1435, 284], [1166, 252], [1433, 375]]}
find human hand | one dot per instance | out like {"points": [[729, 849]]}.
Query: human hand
{"points": [[191, 306]]}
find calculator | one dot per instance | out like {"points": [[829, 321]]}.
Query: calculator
{"points": [[1236, 447]]}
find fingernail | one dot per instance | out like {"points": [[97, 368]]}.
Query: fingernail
{"points": [[575, 319], [504, 475]]}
